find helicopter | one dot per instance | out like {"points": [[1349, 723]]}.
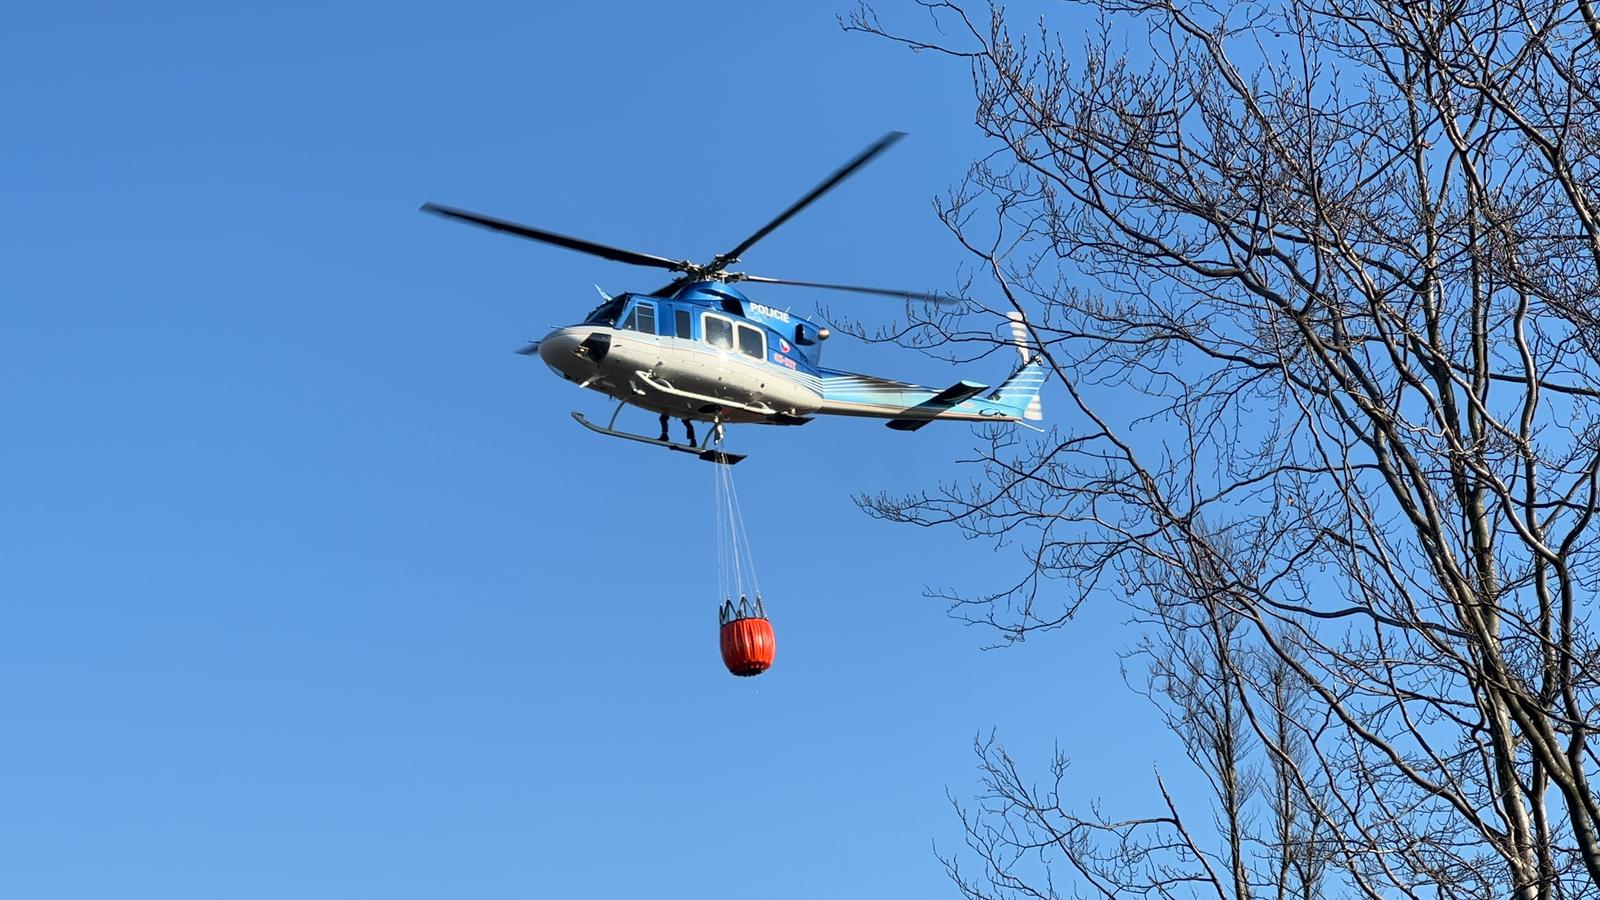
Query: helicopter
{"points": [[699, 350]]}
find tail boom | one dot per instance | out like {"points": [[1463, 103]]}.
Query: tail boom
{"points": [[911, 406]]}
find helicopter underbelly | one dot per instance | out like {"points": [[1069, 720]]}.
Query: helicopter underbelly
{"points": [[687, 379]]}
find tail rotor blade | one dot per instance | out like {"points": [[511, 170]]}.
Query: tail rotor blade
{"points": [[1019, 334]]}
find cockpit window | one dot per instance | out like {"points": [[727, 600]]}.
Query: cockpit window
{"points": [[643, 318], [607, 312]]}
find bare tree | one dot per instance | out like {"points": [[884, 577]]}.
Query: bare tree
{"points": [[1319, 281]]}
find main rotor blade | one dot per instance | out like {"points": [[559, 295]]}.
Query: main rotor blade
{"points": [[844, 172], [550, 237], [940, 299]]}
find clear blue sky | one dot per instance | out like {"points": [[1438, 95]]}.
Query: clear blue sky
{"points": [[311, 588]]}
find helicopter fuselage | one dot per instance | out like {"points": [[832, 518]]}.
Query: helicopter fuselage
{"points": [[705, 354]]}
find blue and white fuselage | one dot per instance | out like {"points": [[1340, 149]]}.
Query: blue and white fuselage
{"points": [[708, 353]]}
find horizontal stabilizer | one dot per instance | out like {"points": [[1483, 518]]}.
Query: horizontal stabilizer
{"points": [[955, 393], [924, 412]]}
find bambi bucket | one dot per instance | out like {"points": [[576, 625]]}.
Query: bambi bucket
{"points": [[748, 646]]}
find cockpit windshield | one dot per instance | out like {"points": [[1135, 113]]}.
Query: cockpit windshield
{"points": [[607, 312]]}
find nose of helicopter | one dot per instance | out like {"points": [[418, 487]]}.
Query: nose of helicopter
{"points": [[557, 347], [564, 351]]}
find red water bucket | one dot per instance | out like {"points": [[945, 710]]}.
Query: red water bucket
{"points": [[748, 646]]}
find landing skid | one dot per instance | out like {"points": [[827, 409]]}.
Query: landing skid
{"points": [[714, 456]]}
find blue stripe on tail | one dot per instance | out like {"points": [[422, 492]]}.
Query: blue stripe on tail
{"points": [[1019, 395]]}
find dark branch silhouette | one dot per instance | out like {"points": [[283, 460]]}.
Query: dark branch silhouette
{"points": [[1319, 286]]}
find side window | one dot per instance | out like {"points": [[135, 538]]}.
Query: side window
{"points": [[643, 318], [718, 331], [752, 342], [681, 321]]}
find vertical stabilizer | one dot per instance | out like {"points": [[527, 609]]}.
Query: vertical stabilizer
{"points": [[1019, 336]]}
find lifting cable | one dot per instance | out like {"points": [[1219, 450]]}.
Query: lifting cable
{"points": [[737, 584]]}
